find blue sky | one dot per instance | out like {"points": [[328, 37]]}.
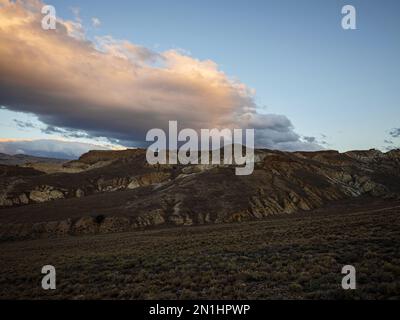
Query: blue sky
{"points": [[340, 86]]}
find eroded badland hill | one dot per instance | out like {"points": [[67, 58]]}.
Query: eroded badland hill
{"points": [[115, 191]]}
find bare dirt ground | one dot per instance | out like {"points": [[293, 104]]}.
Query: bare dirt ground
{"points": [[297, 256]]}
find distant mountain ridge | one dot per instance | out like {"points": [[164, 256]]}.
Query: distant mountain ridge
{"points": [[47, 148], [20, 159]]}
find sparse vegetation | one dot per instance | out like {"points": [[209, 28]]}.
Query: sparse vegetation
{"points": [[99, 218], [298, 256]]}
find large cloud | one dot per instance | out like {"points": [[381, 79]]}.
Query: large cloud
{"points": [[118, 89]]}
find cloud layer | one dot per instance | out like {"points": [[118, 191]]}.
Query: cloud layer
{"points": [[47, 148], [117, 89]]}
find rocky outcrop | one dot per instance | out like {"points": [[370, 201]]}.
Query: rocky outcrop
{"points": [[97, 156], [46, 193], [11, 195]]}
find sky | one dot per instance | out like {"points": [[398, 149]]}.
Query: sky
{"points": [[115, 69]]}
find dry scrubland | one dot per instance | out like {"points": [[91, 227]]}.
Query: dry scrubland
{"points": [[295, 256]]}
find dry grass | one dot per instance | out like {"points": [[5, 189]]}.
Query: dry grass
{"points": [[278, 258]]}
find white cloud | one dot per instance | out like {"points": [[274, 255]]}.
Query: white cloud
{"points": [[96, 22]]}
